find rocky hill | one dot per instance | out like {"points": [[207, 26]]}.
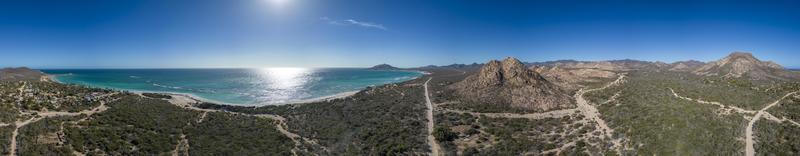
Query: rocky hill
{"points": [[745, 65], [383, 67], [509, 83], [690, 65], [21, 73]]}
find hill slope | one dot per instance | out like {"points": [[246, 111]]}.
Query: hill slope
{"points": [[21, 73]]}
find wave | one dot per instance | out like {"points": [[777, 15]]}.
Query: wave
{"points": [[134, 77]]}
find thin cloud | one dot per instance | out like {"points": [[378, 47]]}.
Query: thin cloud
{"points": [[349, 22]]}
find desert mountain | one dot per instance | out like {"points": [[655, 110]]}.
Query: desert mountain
{"points": [[509, 83], [741, 64], [21, 73], [572, 77], [690, 65], [612, 65], [384, 67]]}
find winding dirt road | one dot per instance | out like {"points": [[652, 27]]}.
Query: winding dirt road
{"points": [[593, 114], [13, 147], [726, 107], [435, 148]]}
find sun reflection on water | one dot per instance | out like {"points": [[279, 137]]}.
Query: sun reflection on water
{"points": [[282, 84], [286, 78]]}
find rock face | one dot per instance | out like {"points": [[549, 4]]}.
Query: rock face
{"points": [[383, 67], [509, 83], [741, 64], [20, 74]]}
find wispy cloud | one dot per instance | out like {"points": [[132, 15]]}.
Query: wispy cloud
{"points": [[349, 22]]}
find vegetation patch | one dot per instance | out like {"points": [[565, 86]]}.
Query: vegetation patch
{"points": [[776, 138], [132, 126], [229, 134], [45, 137], [657, 123]]}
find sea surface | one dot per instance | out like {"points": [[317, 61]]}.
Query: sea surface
{"points": [[267, 86]]}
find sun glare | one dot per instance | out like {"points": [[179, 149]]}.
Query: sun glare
{"points": [[278, 3], [286, 78]]}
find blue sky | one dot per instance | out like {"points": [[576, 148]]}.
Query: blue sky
{"points": [[407, 33]]}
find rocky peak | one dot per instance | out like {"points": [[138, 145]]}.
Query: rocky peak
{"points": [[509, 83], [491, 74], [508, 72], [739, 64], [741, 55]]}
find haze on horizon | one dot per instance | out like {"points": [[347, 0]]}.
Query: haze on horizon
{"points": [[409, 33]]}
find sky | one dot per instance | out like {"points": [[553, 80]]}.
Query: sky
{"points": [[405, 33]]}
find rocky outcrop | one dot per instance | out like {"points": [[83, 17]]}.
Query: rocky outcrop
{"points": [[745, 65], [509, 83], [20, 74]]}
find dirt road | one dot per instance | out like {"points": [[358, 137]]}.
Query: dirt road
{"points": [[435, 148]]}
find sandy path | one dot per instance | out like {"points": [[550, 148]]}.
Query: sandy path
{"points": [[771, 117], [557, 151], [181, 147], [591, 113], [203, 116], [543, 115], [725, 107], [435, 148], [13, 147], [749, 149], [21, 90]]}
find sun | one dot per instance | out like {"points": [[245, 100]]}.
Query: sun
{"points": [[278, 3]]}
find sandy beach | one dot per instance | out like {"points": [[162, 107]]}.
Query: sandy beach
{"points": [[188, 100]]}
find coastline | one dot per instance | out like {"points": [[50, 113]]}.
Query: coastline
{"points": [[198, 99]]}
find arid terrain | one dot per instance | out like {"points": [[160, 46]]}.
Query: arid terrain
{"points": [[738, 105]]}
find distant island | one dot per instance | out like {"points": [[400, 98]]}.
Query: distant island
{"points": [[384, 67], [736, 105]]}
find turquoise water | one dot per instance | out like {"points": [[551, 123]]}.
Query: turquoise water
{"points": [[266, 86]]}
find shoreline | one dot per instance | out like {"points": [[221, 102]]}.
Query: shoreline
{"points": [[198, 99], [341, 95]]}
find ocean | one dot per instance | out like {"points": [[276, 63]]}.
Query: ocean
{"points": [[250, 87]]}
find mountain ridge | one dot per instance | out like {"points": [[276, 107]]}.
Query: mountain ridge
{"points": [[745, 65], [20, 73]]}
